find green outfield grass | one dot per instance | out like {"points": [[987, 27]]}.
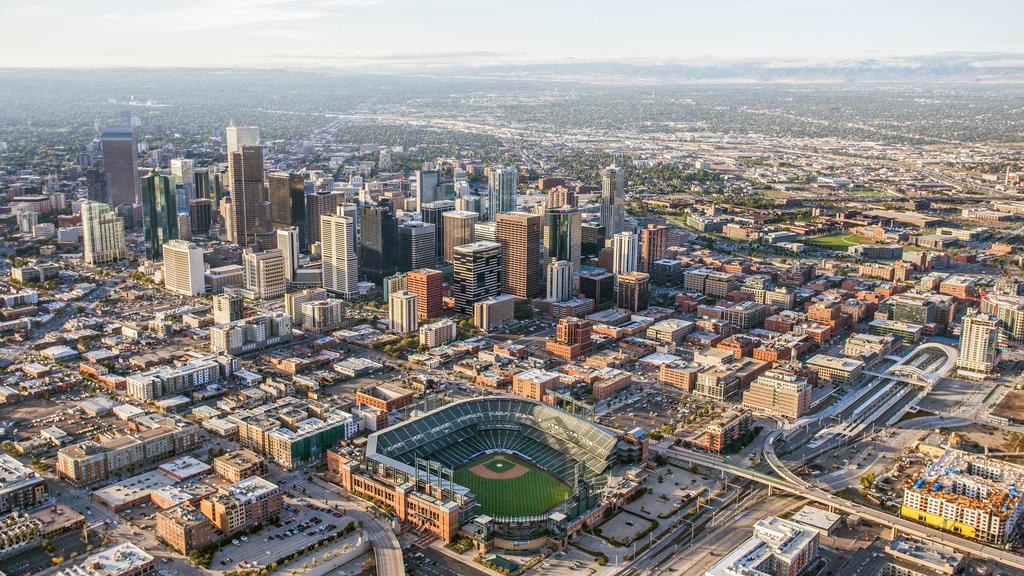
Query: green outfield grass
{"points": [[839, 241], [532, 493]]}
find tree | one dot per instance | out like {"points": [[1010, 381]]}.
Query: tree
{"points": [[868, 480]]}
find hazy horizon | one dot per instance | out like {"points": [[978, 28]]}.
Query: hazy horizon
{"points": [[405, 33]]}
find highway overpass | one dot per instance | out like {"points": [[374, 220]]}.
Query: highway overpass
{"points": [[789, 482]]}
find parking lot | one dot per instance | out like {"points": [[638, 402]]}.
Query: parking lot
{"points": [[430, 562], [301, 525]]}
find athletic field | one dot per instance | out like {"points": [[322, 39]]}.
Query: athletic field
{"points": [[839, 241], [508, 486]]}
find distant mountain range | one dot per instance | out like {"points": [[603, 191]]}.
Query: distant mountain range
{"points": [[949, 67]]}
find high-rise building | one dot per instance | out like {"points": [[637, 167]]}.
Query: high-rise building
{"points": [[237, 137], [416, 246], [653, 241], [402, 311], [264, 273], [458, 230], [469, 203], [248, 209], [503, 185], [519, 235], [433, 213], [121, 165], [288, 240], [979, 344], [159, 218], [593, 239], [572, 339], [634, 289], [478, 274], [102, 234], [287, 193], [378, 239], [202, 186], [227, 308], [183, 268], [200, 212], [183, 173], [395, 283], [184, 226], [560, 196], [428, 183], [339, 252], [625, 253], [320, 204], [559, 281], [599, 287], [563, 236], [428, 285], [484, 231], [613, 200]]}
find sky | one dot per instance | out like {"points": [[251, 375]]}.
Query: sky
{"points": [[414, 33]]}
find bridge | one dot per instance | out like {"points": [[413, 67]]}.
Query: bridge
{"points": [[789, 482]]}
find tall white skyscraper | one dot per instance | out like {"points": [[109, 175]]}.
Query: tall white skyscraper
{"points": [[264, 273], [103, 233], [613, 200], [183, 172], [427, 184], [979, 344], [288, 244], [503, 185], [184, 272], [339, 248], [402, 311], [625, 252], [238, 136], [559, 281]]}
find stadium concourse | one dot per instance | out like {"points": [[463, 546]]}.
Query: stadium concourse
{"points": [[508, 472]]}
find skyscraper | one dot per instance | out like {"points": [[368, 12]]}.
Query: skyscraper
{"points": [[378, 241], [264, 273], [979, 344], [121, 164], [559, 281], [433, 213], [478, 274], [402, 311], [200, 212], [288, 243], [599, 287], [625, 253], [613, 200], [248, 212], [634, 290], [503, 185], [287, 193], [319, 204], [653, 240], [468, 203], [416, 246], [159, 218], [458, 230], [183, 268], [519, 235], [592, 239], [427, 183], [562, 236], [237, 137], [103, 234], [183, 172], [428, 285], [339, 252]]}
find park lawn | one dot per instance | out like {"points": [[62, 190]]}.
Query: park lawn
{"points": [[839, 241], [531, 494]]}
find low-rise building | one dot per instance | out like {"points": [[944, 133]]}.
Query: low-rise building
{"points": [[838, 371], [238, 465], [778, 548], [243, 505]]}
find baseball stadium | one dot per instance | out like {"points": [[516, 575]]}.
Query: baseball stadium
{"points": [[509, 472]]}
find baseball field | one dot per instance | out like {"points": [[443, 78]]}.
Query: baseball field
{"points": [[508, 486]]}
